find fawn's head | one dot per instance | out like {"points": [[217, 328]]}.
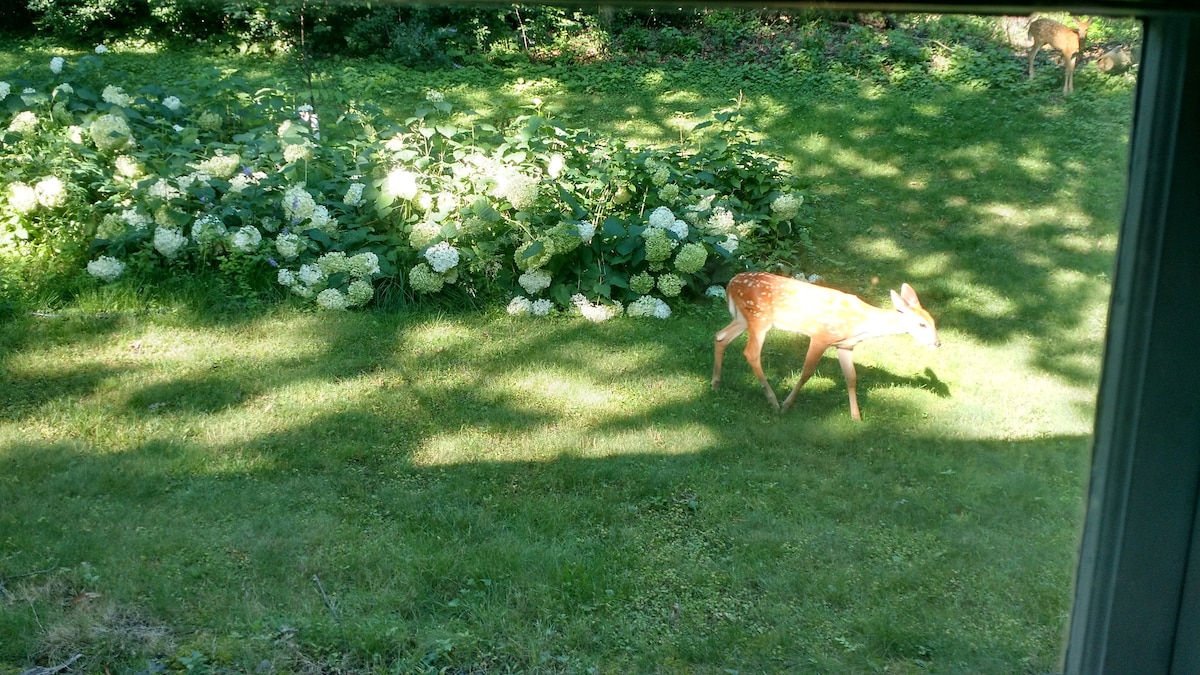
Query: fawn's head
{"points": [[1082, 28], [918, 322]]}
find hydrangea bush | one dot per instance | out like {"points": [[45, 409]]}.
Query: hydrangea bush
{"points": [[210, 173]]}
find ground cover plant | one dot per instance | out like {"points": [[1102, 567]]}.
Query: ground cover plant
{"points": [[441, 486]]}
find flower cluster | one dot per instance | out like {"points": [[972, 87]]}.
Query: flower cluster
{"points": [[21, 197], [649, 306], [116, 96], [110, 132], [106, 268], [787, 206], [522, 306], [535, 281], [670, 284], [246, 238], [354, 195], [442, 257], [641, 283], [595, 311], [172, 103], [208, 229], [422, 279], [168, 241], [520, 190], [219, 166], [24, 122], [691, 258], [401, 183]]}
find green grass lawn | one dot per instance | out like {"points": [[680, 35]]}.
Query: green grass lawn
{"points": [[463, 491]]}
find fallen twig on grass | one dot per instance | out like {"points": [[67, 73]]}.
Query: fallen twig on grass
{"points": [[328, 603]]}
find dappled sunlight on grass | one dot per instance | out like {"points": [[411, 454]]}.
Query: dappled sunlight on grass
{"points": [[554, 441]]}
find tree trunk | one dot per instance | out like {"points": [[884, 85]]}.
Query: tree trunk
{"points": [[1115, 61]]}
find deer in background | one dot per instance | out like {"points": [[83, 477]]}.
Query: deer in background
{"points": [[1057, 36], [759, 301]]}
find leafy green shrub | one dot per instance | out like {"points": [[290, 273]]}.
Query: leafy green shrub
{"points": [[674, 42], [212, 176]]}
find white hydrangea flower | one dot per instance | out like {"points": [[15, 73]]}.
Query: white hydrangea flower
{"points": [[730, 243], [359, 292], [64, 89], [662, 218], [289, 245], [116, 96], [649, 306], [520, 306], [442, 256], [721, 221], [5, 90], [332, 298], [586, 230], [246, 239], [220, 166], [680, 228], [354, 194], [401, 183], [172, 103], [286, 277], [164, 190], [434, 96], [364, 264], [109, 132], [168, 241], [787, 206], [296, 152], [540, 307], [519, 189], [535, 281], [24, 122], [101, 49], [136, 220], [50, 192], [715, 292], [127, 166], [595, 312], [334, 262], [321, 220], [21, 197], [297, 204], [106, 268], [56, 64], [310, 274], [555, 167]]}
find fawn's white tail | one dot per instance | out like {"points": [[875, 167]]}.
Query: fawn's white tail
{"points": [[759, 301], [1057, 36]]}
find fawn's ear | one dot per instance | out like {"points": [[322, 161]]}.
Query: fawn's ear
{"points": [[909, 295], [900, 303]]}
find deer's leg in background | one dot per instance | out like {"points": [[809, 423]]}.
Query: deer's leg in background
{"points": [[722, 340], [754, 345], [811, 359], [846, 359]]}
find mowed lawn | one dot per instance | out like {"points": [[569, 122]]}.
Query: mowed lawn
{"points": [[458, 490]]}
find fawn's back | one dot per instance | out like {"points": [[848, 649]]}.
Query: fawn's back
{"points": [[836, 318]]}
